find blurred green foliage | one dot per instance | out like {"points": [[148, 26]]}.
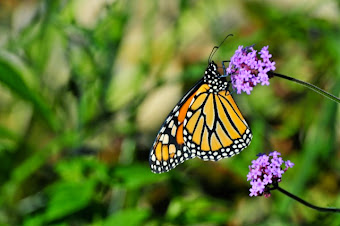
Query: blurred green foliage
{"points": [[85, 85]]}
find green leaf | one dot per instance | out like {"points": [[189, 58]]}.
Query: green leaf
{"points": [[33, 163], [68, 197], [136, 176], [8, 140], [36, 220], [7, 134], [127, 217], [11, 75], [192, 210], [82, 168]]}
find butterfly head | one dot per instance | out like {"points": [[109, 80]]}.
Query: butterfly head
{"points": [[212, 66], [214, 79]]}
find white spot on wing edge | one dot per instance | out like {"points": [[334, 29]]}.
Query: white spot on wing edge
{"points": [[162, 136], [171, 124], [166, 139], [173, 131]]}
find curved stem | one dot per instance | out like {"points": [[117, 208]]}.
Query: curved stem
{"points": [[323, 209], [308, 85]]}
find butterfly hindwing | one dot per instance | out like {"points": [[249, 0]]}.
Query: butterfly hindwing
{"points": [[216, 128]]}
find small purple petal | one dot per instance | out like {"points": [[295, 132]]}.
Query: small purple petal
{"points": [[253, 192], [274, 154], [267, 179], [289, 164], [259, 185], [249, 176]]}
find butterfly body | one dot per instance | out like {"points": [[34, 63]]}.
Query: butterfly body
{"points": [[206, 123]]}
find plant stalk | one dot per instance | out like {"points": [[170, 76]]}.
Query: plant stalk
{"points": [[308, 85], [323, 209]]}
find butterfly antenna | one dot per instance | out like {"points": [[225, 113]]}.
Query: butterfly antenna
{"points": [[213, 51]]}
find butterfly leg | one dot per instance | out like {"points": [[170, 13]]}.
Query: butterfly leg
{"points": [[224, 68]]}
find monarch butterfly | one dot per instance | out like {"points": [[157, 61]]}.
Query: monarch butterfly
{"points": [[206, 123]]}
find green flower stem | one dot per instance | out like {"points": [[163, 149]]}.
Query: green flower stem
{"points": [[308, 85], [323, 209]]}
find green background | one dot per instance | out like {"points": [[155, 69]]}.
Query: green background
{"points": [[85, 86]]}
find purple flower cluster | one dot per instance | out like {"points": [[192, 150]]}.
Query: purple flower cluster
{"points": [[247, 70], [264, 171]]}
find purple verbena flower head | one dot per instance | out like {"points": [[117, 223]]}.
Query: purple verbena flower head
{"points": [[265, 171], [248, 68]]}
